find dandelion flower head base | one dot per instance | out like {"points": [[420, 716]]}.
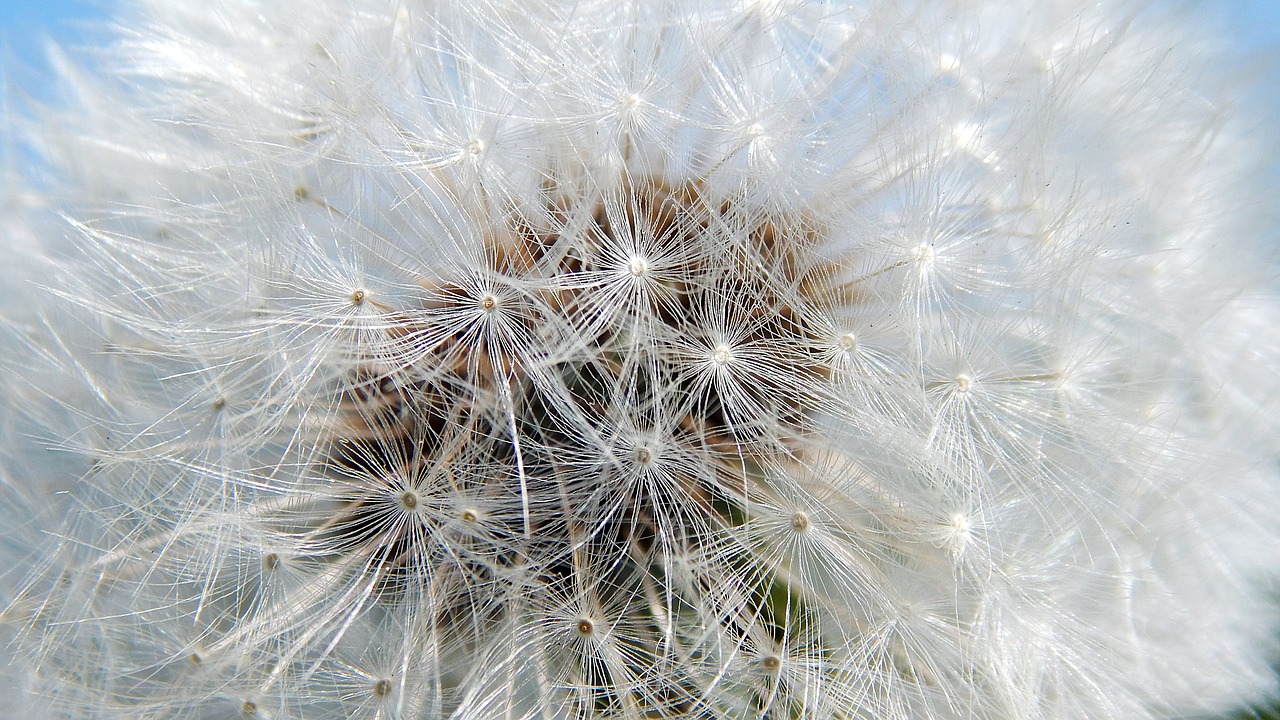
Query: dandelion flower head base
{"points": [[641, 433]]}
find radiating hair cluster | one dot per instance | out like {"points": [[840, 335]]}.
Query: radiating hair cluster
{"points": [[796, 360]]}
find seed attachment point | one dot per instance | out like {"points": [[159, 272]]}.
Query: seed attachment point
{"points": [[643, 455], [800, 522], [722, 355], [409, 499]]}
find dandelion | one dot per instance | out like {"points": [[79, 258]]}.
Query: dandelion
{"points": [[478, 360]]}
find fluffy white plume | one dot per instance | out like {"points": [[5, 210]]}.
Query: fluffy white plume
{"points": [[461, 359]]}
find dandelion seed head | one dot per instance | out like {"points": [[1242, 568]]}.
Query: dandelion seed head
{"points": [[604, 360]]}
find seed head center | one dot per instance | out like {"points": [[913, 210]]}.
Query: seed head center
{"points": [[722, 355], [638, 265], [409, 499], [644, 455]]}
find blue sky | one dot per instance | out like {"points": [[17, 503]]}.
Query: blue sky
{"points": [[1254, 22], [23, 23]]}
